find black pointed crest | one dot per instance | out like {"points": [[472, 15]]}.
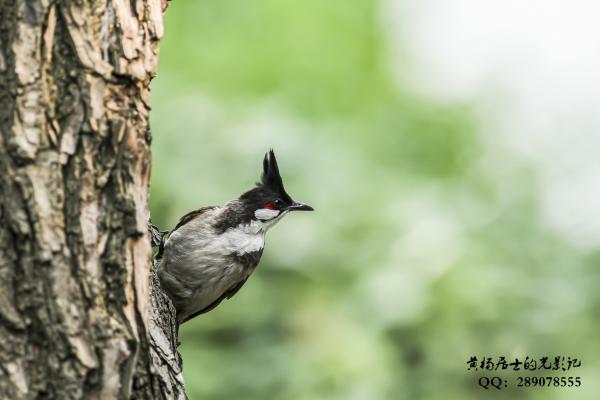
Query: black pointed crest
{"points": [[270, 177]]}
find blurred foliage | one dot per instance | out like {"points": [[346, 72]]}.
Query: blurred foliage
{"points": [[426, 246]]}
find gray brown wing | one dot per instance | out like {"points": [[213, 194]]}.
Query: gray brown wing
{"points": [[229, 293], [190, 216], [182, 221]]}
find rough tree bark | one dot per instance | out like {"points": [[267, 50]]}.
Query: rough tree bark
{"points": [[75, 258]]}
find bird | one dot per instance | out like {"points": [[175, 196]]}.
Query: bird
{"points": [[212, 251]]}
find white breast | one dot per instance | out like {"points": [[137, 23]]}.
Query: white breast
{"points": [[240, 240]]}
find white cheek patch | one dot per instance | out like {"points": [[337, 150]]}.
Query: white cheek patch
{"points": [[265, 214]]}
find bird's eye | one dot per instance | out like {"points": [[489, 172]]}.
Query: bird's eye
{"points": [[276, 204]]}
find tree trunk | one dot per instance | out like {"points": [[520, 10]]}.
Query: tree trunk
{"points": [[76, 319]]}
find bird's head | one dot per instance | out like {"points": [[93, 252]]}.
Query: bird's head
{"points": [[268, 201]]}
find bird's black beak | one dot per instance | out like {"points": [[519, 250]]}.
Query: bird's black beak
{"points": [[297, 206]]}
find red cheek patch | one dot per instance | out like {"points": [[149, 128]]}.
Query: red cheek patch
{"points": [[269, 206]]}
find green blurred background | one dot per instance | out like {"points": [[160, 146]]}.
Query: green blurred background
{"points": [[427, 245]]}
